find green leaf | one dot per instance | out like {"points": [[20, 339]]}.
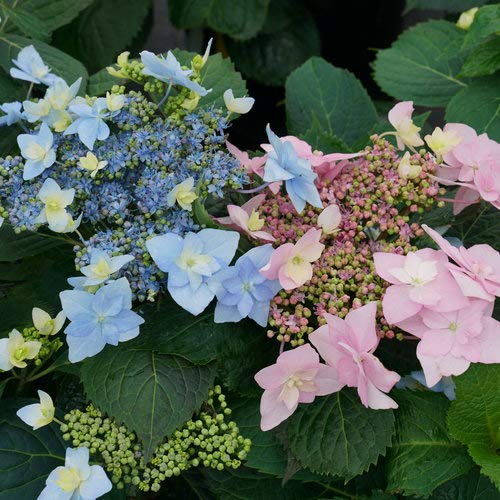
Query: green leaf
{"points": [[447, 5], [188, 13], [337, 435], [478, 105], [423, 455], [10, 90], [486, 23], [474, 417], [332, 99], [245, 341], [28, 24], [240, 19], [477, 224], [243, 483], [471, 486], [483, 60], [217, 74], [169, 329], [422, 64], [104, 30], [25, 244], [53, 13], [62, 64], [45, 279], [268, 454], [273, 54], [323, 140], [151, 393], [101, 82], [26, 456]]}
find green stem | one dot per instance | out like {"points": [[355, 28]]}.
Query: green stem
{"points": [[48, 370], [338, 491]]}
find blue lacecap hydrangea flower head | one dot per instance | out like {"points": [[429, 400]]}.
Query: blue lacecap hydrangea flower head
{"points": [[242, 291], [191, 261], [284, 164], [99, 319]]}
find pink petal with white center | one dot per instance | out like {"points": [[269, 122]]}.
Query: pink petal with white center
{"points": [[384, 261], [271, 377], [464, 197], [300, 358], [327, 380], [424, 295], [400, 112], [378, 374], [397, 305], [362, 324], [437, 343], [272, 410], [470, 287], [278, 259], [309, 246], [489, 340], [437, 368]]}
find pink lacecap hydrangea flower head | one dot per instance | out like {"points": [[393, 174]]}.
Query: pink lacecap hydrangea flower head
{"points": [[296, 377], [291, 263], [419, 280], [347, 345]]}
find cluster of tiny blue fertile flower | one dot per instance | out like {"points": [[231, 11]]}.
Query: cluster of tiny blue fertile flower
{"points": [[126, 171]]}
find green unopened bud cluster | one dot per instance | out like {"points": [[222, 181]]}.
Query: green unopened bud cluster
{"points": [[207, 440], [49, 345]]}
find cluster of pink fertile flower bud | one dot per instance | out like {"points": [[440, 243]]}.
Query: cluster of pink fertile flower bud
{"points": [[377, 204]]}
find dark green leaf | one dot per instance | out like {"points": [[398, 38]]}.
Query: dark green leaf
{"points": [[188, 13], [11, 90], [483, 60], [478, 105], [486, 23], [62, 64], [337, 435], [268, 453], [25, 244], [101, 82], [245, 341], [26, 456], [169, 329], [323, 96], [323, 140], [240, 19], [423, 455], [474, 417], [273, 54], [28, 24], [53, 13], [242, 484], [422, 64], [478, 223], [46, 278], [447, 5], [104, 30], [471, 486], [151, 393]]}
